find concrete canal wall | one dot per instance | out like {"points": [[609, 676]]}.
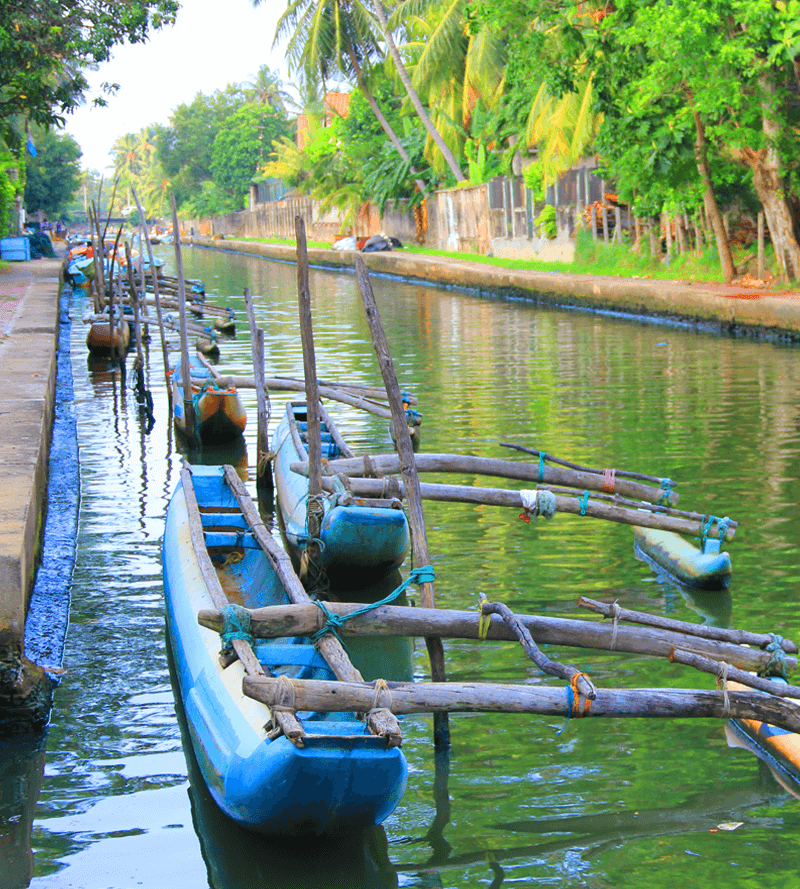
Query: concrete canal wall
{"points": [[723, 307], [29, 294]]}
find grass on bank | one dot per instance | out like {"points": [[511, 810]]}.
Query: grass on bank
{"points": [[617, 260]]}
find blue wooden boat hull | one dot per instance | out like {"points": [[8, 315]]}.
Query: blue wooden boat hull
{"points": [[675, 556], [343, 778], [360, 543]]}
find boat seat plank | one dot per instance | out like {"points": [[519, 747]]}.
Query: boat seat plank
{"points": [[276, 655], [223, 520], [234, 539]]}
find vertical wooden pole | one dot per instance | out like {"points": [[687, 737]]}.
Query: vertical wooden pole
{"points": [[311, 555], [408, 469], [263, 469], [761, 271], [593, 217], [137, 321], [604, 217], [618, 224], [186, 375], [164, 349]]}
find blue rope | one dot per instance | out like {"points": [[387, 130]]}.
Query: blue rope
{"points": [[336, 621], [722, 524], [584, 502], [666, 486], [236, 625], [541, 467], [776, 665]]}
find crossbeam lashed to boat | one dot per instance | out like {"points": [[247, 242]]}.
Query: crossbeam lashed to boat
{"points": [[596, 505]]}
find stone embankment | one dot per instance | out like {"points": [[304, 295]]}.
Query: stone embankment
{"points": [[724, 308], [29, 293]]}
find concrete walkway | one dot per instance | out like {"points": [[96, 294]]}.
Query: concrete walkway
{"points": [[725, 308], [28, 328]]}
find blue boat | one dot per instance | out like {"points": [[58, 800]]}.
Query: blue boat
{"points": [[362, 541], [708, 568], [334, 776]]}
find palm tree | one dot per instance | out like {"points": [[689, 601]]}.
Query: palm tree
{"points": [[459, 68], [562, 129], [336, 36], [269, 89], [402, 73]]}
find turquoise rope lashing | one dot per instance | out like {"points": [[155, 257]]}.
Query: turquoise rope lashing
{"points": [[335, 621], [722, 524], [236, 625], [584, 502], [541, 467], [570, 707], [666, 485], [776, 665]]}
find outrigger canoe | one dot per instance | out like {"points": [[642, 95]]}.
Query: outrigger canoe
{"points": [[361, 541], [673, 555], [220, 416], [335, 776], [777, 747]]}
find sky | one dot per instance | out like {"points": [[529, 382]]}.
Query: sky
{"points": [[212, 44]]}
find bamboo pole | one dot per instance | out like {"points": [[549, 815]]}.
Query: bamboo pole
{"points": [[468, 697], [188, 404], [405, 452], [137, 326], [395, 620], [725, 672], [575, 505], [283, 384], [618, 473], [311, 558], [467, 464], [380, 721], [156, 295], [721, 634], [263, 468]]}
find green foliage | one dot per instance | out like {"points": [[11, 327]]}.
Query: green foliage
{"points": [[241, 146], [53, 176], [8, 191], [185, 148], [533, 177], [545, 222], [45, 46]]}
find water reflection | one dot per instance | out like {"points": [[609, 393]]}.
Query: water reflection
{"points": [[21, 773], [721, 416]]}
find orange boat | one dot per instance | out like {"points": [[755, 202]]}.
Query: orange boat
{"points": [[219, 413], [99, 337]]}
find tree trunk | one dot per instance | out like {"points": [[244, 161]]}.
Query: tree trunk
{"points": [[770, 186], [415, 99], [710, 202], [385, 125]]}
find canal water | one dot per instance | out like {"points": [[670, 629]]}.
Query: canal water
{"points": [[532, 801]]}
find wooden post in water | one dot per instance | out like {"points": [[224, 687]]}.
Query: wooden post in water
{"points": [[416, 516], [312, 554], [263, 469], [186, 375], [164, 349]]}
